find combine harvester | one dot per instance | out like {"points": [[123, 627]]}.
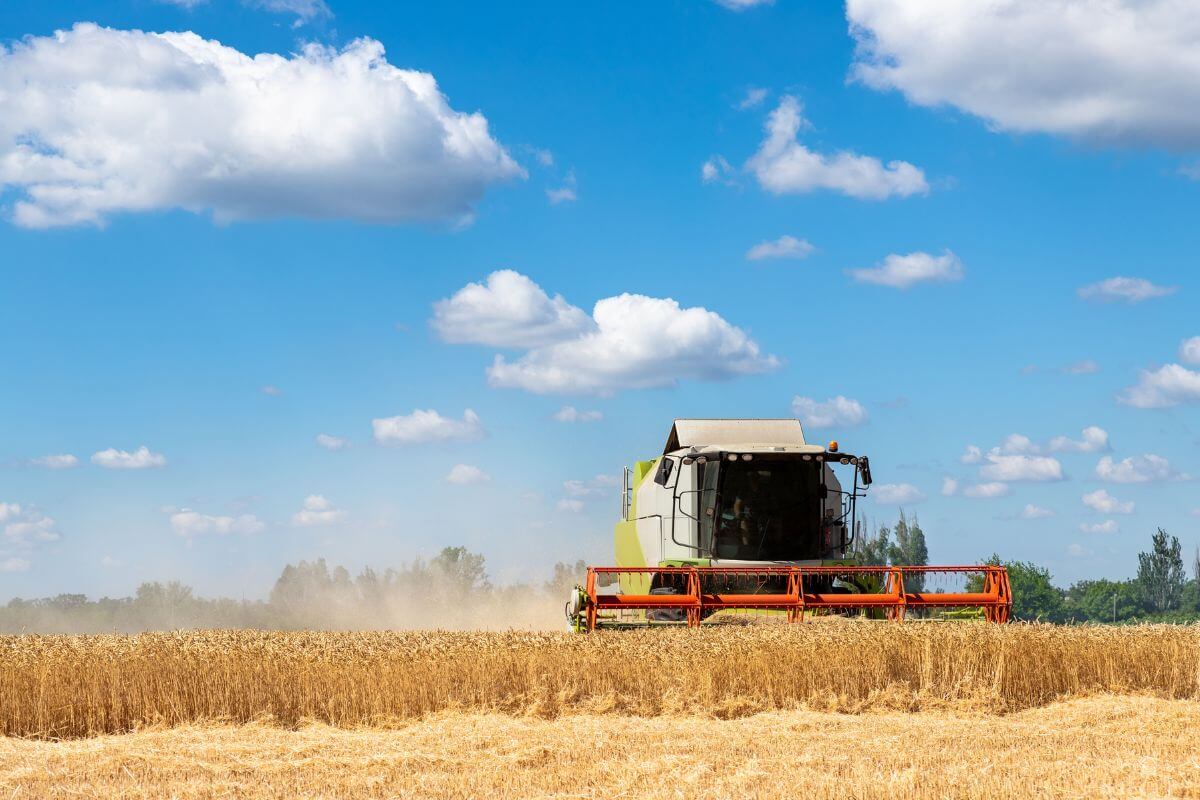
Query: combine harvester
{"points": [[743, 515]]}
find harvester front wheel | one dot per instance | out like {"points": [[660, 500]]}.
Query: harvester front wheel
{"points": [[576, 610]]}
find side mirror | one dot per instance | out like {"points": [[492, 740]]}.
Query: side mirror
{"points": [[864, 468], [665, 467]]}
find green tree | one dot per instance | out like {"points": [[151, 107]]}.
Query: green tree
{"points": [[461, 570], [1189, 599], [1160, 573], [909, 546], [165, 605], [302, 587], [872, 550], [909, 549], [1103, 601], [1035, 597]]}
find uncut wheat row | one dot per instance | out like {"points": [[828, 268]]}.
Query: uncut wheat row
{"points": [[69, 686]]}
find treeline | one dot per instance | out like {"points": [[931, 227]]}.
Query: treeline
{"points": [[451, 590], [1162, 591]]}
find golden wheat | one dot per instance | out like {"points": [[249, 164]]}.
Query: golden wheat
{"points": [[68, 686]]}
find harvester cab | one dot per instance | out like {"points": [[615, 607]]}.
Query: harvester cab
{"points": [[744, 514], [739, 492]]}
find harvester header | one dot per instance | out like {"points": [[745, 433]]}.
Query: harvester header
{"points": [[744, 515]]}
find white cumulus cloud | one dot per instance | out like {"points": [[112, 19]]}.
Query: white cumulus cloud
{"points": [[1093, 440], [951, 487], [1100, 500], [783, 247], [142, 458], [1123, 290], [1147, 468], [1169, 385], [188, 523], [635, 342], [896, 493], [1030, 511], [1108, 71], [570, 505], [1000, 467], [15, 564], [509, 310], [96, 121], [903, 271], [986, 491], [836, 412], [466, 474], [25, 526], [1107, 526], [971, 455], [1189, 350], [784, 166], [422, 427], [1017, 444], [316, 510], [572, 414]]}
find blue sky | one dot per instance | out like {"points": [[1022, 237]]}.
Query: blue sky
{"points": [[219, 258]]}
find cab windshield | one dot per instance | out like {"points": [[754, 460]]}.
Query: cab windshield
{"points": [[765, 509]]}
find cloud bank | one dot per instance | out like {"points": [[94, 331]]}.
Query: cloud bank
{"points": [[1108, 71], [96, 121]]}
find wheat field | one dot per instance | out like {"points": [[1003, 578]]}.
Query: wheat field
{"points": [[838, 709], [70, 686]]}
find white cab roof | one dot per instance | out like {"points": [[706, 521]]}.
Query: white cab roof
{"points": [[706, 433]]}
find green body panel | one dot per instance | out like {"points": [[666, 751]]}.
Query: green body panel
{"points": [[707, 562], [627, 548]]}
